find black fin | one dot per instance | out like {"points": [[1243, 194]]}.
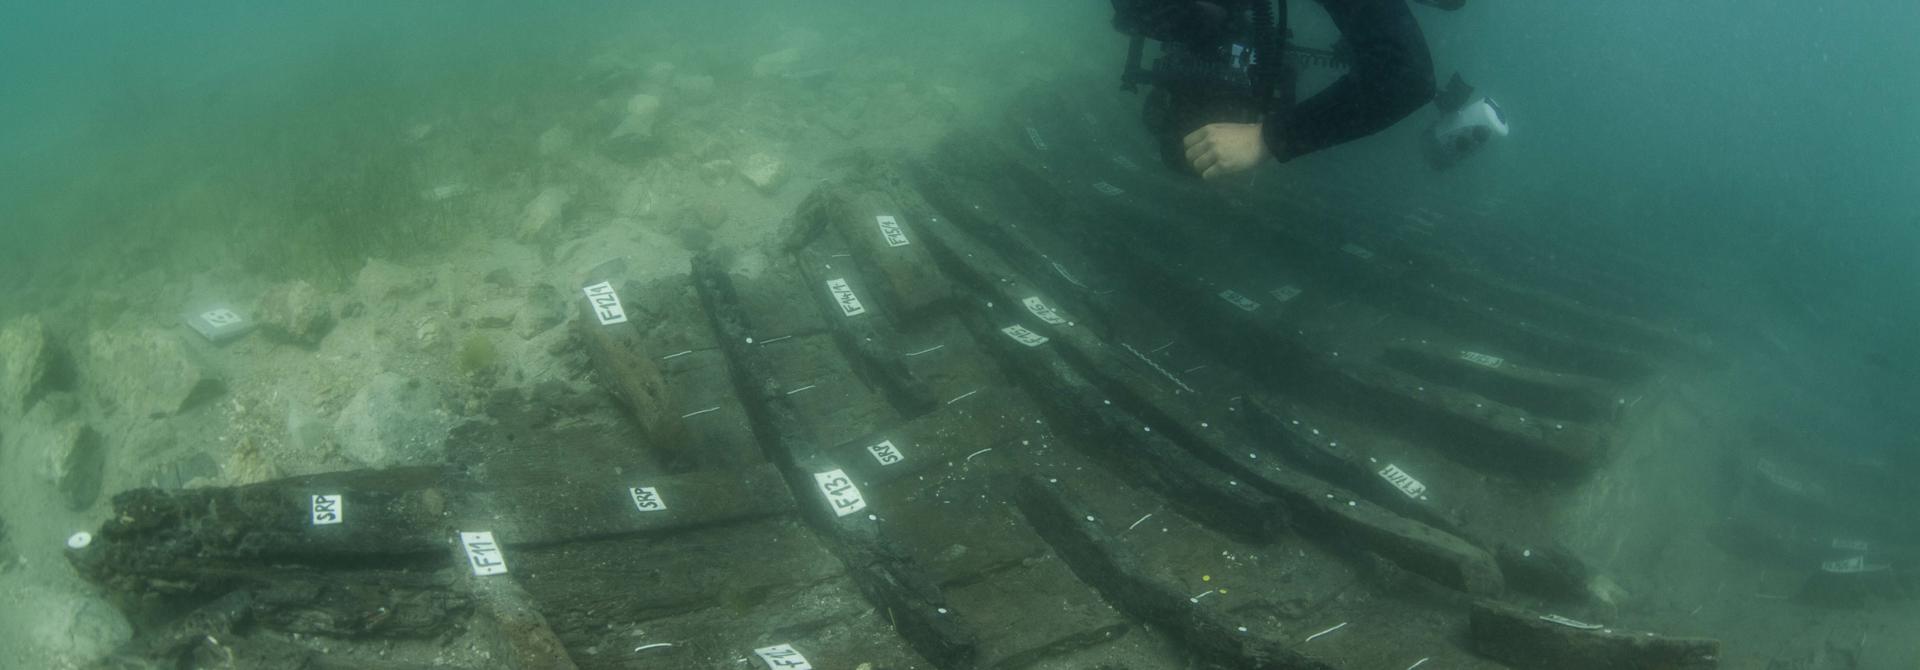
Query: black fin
{"points": [[1455, 95]]}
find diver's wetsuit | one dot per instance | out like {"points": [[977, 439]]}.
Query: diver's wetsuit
{"points": [[1391, 77]]}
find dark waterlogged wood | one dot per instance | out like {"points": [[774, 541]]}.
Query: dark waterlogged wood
{"points": [[1526, 639]]}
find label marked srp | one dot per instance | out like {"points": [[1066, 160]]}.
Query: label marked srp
{"points": [[783, 657], [1022, 335], [606, 304], [891, 230], [840, 491], [1357, 251], [647, 499], [1040, 309], [483, 553], [886, 453], [1240, 301], [1107, 189], [1482, 359], [328, 510], [843, 294], [1286, 293], [1403, 481]]}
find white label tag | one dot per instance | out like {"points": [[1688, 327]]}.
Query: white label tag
{"points": [[1570, 623], [843, 294], [1125, 162], [1403, 481], [783, 657], [1851, 545], [1022, 335], [1238, 300], [1107, 189], [328, 510], [1483, 359], [606, 305], [647, 499], [1040, 309], [483, 553], [1033, 135], [840, 491], [886, 453], [220, 317], [1358, 251], [1846, 565], [890, 229], [1285, 293]]}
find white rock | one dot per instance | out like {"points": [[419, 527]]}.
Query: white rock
{"points": [[555, 140], [296, 312], [393, 421], [776, 63], [764, 171], [642, 112], [694, 86], [24, 361], [544, 211], [146, 373]]}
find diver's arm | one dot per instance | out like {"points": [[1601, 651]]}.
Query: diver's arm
{"points": [[1392, 76]]}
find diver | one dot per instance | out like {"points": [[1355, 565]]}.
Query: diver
{"points": [[1222, 101]]}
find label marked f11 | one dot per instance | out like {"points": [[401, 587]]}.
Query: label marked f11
{"points": [[483, 553]]}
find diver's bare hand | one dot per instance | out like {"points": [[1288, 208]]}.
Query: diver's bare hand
{"points": [[1226, 148]]}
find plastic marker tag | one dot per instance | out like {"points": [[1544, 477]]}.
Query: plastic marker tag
{"points": [[1033, 135], [841, 492], [783, 657], [886, 453], [1238, 300], [328, 510], [647, 499], [1358, 251], [483, 553], [1022, 335], [1285, 293], [1107, 189], [1483, 359], [1040, 309], [1848, 566], [890, 229], [1403, 481], [606, 304], [1570, 623], [1125, 162], [1851, 545], [218, 324], [843, 294]]}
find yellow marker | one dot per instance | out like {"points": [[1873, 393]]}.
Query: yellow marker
{"points": [[1206, 578]]}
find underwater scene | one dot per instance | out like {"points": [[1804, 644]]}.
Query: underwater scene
{"points": [[1075, 335]]}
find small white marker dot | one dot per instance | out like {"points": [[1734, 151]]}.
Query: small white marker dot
{"points": [[79, 540]]}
